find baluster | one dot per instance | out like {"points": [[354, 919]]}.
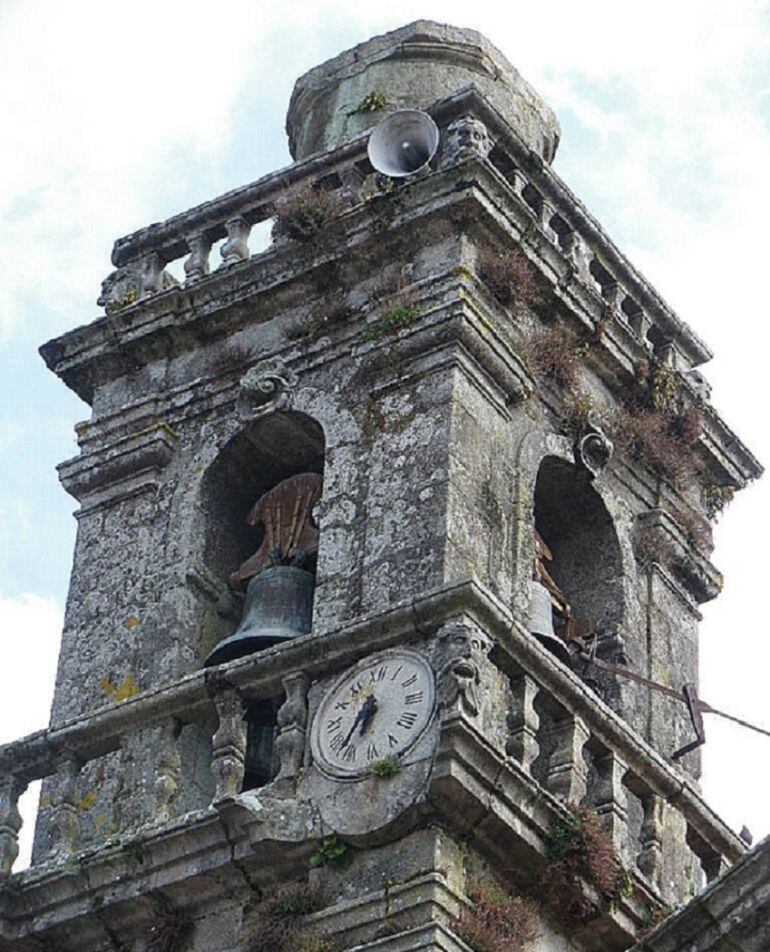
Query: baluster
{"points": [[65, 818], [228, 745], [577, 252], [714, 864], [292, 722], [352, 179], [613, 295], [567, 770], [196, 265], [11, 788], [168, 771], [650, 858], [544, 215], [518, 181], [152, 273], [610, 800], [523, 722], [236, 248]]}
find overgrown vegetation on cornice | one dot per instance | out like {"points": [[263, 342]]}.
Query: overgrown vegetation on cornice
{"points": [[579, 851], [277, 923], [497, 921]]}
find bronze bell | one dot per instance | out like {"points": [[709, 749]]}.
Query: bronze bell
{"points": [[279, 595], [541, 623], [278, 607]]}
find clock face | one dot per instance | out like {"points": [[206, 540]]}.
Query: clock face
{"points": [[378, 709]]}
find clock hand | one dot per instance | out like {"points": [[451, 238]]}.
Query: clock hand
{"points": [[364, 714], [368, 711]]}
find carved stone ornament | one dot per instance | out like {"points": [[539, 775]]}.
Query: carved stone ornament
{"points": [[264, 389], [463, 657], [593, 448], [467, 138]]}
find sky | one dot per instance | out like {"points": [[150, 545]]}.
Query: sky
{"points": [[113, 118]]}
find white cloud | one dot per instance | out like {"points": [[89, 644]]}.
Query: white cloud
{"points": [[30, 629]]}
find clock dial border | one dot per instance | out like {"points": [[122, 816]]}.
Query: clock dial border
{"points": [[356, 771]]}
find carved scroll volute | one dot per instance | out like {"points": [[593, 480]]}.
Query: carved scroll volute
{"points": [[11, 788], [228, 745], [593, 448], [168, 771], [292, 725], [463, 661], [265, 388]]}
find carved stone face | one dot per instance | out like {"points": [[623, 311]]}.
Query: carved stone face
{"points": [[465, 648], [468, 136]]}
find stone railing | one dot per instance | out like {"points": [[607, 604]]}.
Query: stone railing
{"points": [[141, 259], [558, 732]]}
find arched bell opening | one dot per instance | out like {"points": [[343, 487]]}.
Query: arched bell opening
{"points": [[258, 501], [577, 556]]}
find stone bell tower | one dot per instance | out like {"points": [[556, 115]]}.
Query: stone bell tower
{"points": [[371, 525]]}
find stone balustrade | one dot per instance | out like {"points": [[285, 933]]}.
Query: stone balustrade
{"points": [[620, 292], [558, 732]]}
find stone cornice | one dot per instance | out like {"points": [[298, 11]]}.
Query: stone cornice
{"points": [[189, 699]]}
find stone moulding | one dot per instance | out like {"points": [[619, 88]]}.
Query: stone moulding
{"points": [[143, 454], [694, 576], [72, 355], [189, 699]]}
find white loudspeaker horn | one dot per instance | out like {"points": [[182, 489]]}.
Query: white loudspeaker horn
{"points": [[403, 143]]}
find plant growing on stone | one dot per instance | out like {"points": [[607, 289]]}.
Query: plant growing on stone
{"points": [[303, 212], [332, 851], [664, 388], [335, 313], [650, 548], [578, 850], [171, 928], [496, 921], [372, 102], [277, 924], [646, 435], [510, 277], [551, 353], [694, 526], [387, 767], [716, 497], [391, 322], [577, 407]]}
